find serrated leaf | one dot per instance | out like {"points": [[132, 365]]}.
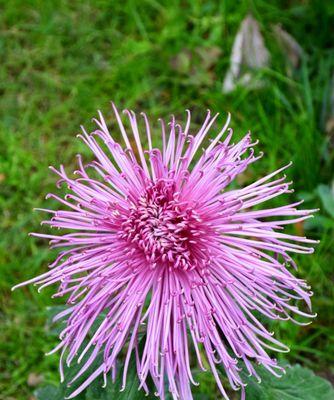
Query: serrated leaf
{"points": [[59, 392], [55, 328], [96, 391], [297, 384], [112, 391]]}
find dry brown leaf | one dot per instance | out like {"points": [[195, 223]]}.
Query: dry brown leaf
{"points": [[249, 54], [34, 379], [291, 48]]}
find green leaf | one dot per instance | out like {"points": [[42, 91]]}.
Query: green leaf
{"points": [[319, 222], [327, 198], [112, 391], [54, 328], [96, 391], [49, 392], [60, 392], [52, 392], [297, 384]]}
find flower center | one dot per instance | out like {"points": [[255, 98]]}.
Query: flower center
{"points": [[167, 231]]}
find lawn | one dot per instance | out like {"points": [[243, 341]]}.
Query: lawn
{"points": [[63, 60]]}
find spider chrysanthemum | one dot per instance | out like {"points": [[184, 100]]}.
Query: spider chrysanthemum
{"points": [[158, 247]]}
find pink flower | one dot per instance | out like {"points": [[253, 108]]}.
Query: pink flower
{"points": [[155, 241]]}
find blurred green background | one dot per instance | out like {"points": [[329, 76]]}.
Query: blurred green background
{"points": [[63, 60]]}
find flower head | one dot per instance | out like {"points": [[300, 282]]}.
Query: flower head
{"points": [[156, 241]]}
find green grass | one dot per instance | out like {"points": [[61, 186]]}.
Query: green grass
{"points": [[63, 60]]}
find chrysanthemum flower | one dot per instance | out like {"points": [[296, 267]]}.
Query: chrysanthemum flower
{"points": [[155, 241]]}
